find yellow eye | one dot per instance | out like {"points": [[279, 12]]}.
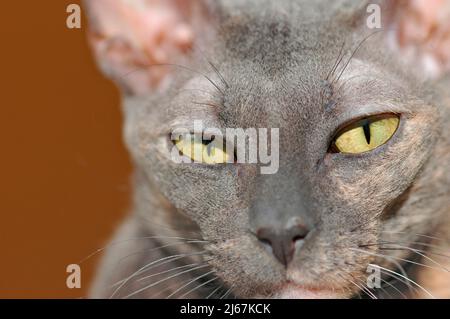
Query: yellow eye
{"points": [[202, 151], [366, 135]]}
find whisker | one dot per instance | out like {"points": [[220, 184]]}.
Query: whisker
{"points": [[169, 270], [415, 234], [389, 258], [166, 259], [361, 289], [337, 62], [135, 238], [412, 289], [168, 289], [218, 73], [385, 247], [354, 53], [206, 104], [216, 70], [159, 247], [393, 287], [406, 278], [181, 67], [227, 293], [424, 256], [435, 247], [190, 282], [420, 250], [171, 227], [364, 285], [202, 285], [163, 280], [214, 291], [401, 259]]}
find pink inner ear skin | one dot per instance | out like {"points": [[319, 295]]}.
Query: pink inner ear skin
{"points": [[132, 35], [154, 26], [424, 25]]}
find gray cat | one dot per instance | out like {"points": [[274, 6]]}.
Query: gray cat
{"points": [[359, 206]]}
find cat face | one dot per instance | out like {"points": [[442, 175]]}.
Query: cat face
{"points": [[312, 228]]}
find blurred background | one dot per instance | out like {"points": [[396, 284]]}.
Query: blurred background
{"points": [[64, 170]]}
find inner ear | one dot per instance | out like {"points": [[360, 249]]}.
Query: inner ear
{"points": [[422, 33], [418, 30], [128, 37]]}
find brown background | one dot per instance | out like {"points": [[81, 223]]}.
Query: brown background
{"points": [[64, 171]]}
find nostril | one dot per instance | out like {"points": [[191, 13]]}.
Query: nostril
{"points": [[298, 232], [264, 235], [265, 241], [297, 238], [281, 242]]}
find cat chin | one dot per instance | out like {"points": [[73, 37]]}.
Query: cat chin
{"points": [[293, 292]]}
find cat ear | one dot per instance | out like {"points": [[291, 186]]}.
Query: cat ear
{"points": [[129, 36], [421, 33]]}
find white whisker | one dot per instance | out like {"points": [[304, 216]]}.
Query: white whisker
{"points": [[406, 278], [227, 293], [214, 291], [166, 259], [204, 284], [163, 280]]}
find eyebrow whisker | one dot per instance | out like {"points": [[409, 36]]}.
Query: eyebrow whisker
{"points": [[354, 53]]}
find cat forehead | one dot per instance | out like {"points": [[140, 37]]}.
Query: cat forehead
{"points": [[279, 29], [272, 39], [297, 11]]}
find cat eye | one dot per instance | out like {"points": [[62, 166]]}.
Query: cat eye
{"points": [[365, 135], [211, 151]]}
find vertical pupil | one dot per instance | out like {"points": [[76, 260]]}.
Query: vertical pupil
{"points": [[208, 149], [366, 128]]}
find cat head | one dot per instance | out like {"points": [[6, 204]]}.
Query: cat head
{"points": [[361, 160]]}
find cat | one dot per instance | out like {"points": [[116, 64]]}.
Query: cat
{"points": [[342, 208]]}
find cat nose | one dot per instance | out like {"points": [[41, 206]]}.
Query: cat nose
{"points": [[282, 241]]}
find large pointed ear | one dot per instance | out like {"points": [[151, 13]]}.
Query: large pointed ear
{"points": [[421, 33], [130, 36]]}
